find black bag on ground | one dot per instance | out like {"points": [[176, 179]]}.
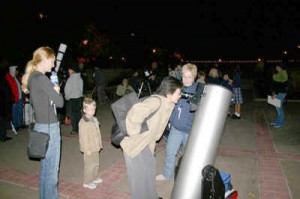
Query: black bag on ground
{"points": [[37, 144]]}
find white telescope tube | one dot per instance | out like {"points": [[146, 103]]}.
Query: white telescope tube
{"points": [[61, 50], [203, 142]]}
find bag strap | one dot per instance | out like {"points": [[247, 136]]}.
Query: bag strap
{"points": [[149, 116]]}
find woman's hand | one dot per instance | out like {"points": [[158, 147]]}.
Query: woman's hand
{"points": [[57, 88]]}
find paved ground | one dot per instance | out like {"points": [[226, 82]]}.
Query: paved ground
{"points": [[264, 162]]}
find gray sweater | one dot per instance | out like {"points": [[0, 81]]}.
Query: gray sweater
{"points": [[43, 97], [74, 87]]}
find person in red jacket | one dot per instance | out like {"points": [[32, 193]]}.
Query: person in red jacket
{"points": [[17, 107]]}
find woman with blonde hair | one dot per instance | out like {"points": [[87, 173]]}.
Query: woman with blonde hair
{"points": [[181, 121], [44, 98]]}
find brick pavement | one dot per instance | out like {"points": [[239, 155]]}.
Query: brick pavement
{"points": [[272, 180]]}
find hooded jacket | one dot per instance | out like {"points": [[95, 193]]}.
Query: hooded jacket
{"points": [[136, 141], [182, 117]]}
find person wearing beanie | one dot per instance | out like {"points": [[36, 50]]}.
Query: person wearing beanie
{"points": [[17, 107], [73, 93]]}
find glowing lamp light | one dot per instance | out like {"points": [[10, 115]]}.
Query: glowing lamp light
{"points": [[85, 42], [154, 50], [110, 58], [41, 15], [285, 52]]}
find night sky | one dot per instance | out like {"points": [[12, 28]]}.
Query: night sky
{"points": [[203, 29]]}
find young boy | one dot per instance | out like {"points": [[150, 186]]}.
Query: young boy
{"points": [[90, 144]]}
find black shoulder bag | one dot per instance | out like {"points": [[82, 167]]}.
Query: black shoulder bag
{"points": [[38, 143]]}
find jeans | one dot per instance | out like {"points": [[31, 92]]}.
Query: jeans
{"points": [[49, 166], [175, 139], [280, 112], [3, 128], [17, 113]]}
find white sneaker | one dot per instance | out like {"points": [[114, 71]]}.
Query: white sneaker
{"points": [[90, 185], [98, 181], [161, 177]]}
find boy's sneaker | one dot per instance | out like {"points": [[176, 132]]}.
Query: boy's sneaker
{"points": [[98, 181], [277, 126], [160, 177], [273, 123], [90, 185]]}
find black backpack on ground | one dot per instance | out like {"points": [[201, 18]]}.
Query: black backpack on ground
{"points": [[213, 187]]}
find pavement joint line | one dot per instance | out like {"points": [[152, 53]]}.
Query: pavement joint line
{"points": [[268, 156]]}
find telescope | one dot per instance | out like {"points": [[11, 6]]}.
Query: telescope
{"points": [[60, 54]]}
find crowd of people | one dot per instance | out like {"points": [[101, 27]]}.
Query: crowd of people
{"points": [[172, 98]]}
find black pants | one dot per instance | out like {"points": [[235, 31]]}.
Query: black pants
{"points": [[75, 112], [3, 128]]}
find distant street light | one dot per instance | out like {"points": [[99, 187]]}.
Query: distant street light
{"points": [[132, 34], [85, 42]]}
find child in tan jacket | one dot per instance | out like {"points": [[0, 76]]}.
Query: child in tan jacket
{"points": [[90, 144]]}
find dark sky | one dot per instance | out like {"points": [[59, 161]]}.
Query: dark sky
{"points": [[203, 29]]}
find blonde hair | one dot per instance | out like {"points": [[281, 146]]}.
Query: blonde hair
{"points": [[213, 73], [88, 102], [190, 67], [40, 54], [201, 74]]}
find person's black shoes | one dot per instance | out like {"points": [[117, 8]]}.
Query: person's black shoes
{"points": [[235, 117], [160, 198], [5, 139]]}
